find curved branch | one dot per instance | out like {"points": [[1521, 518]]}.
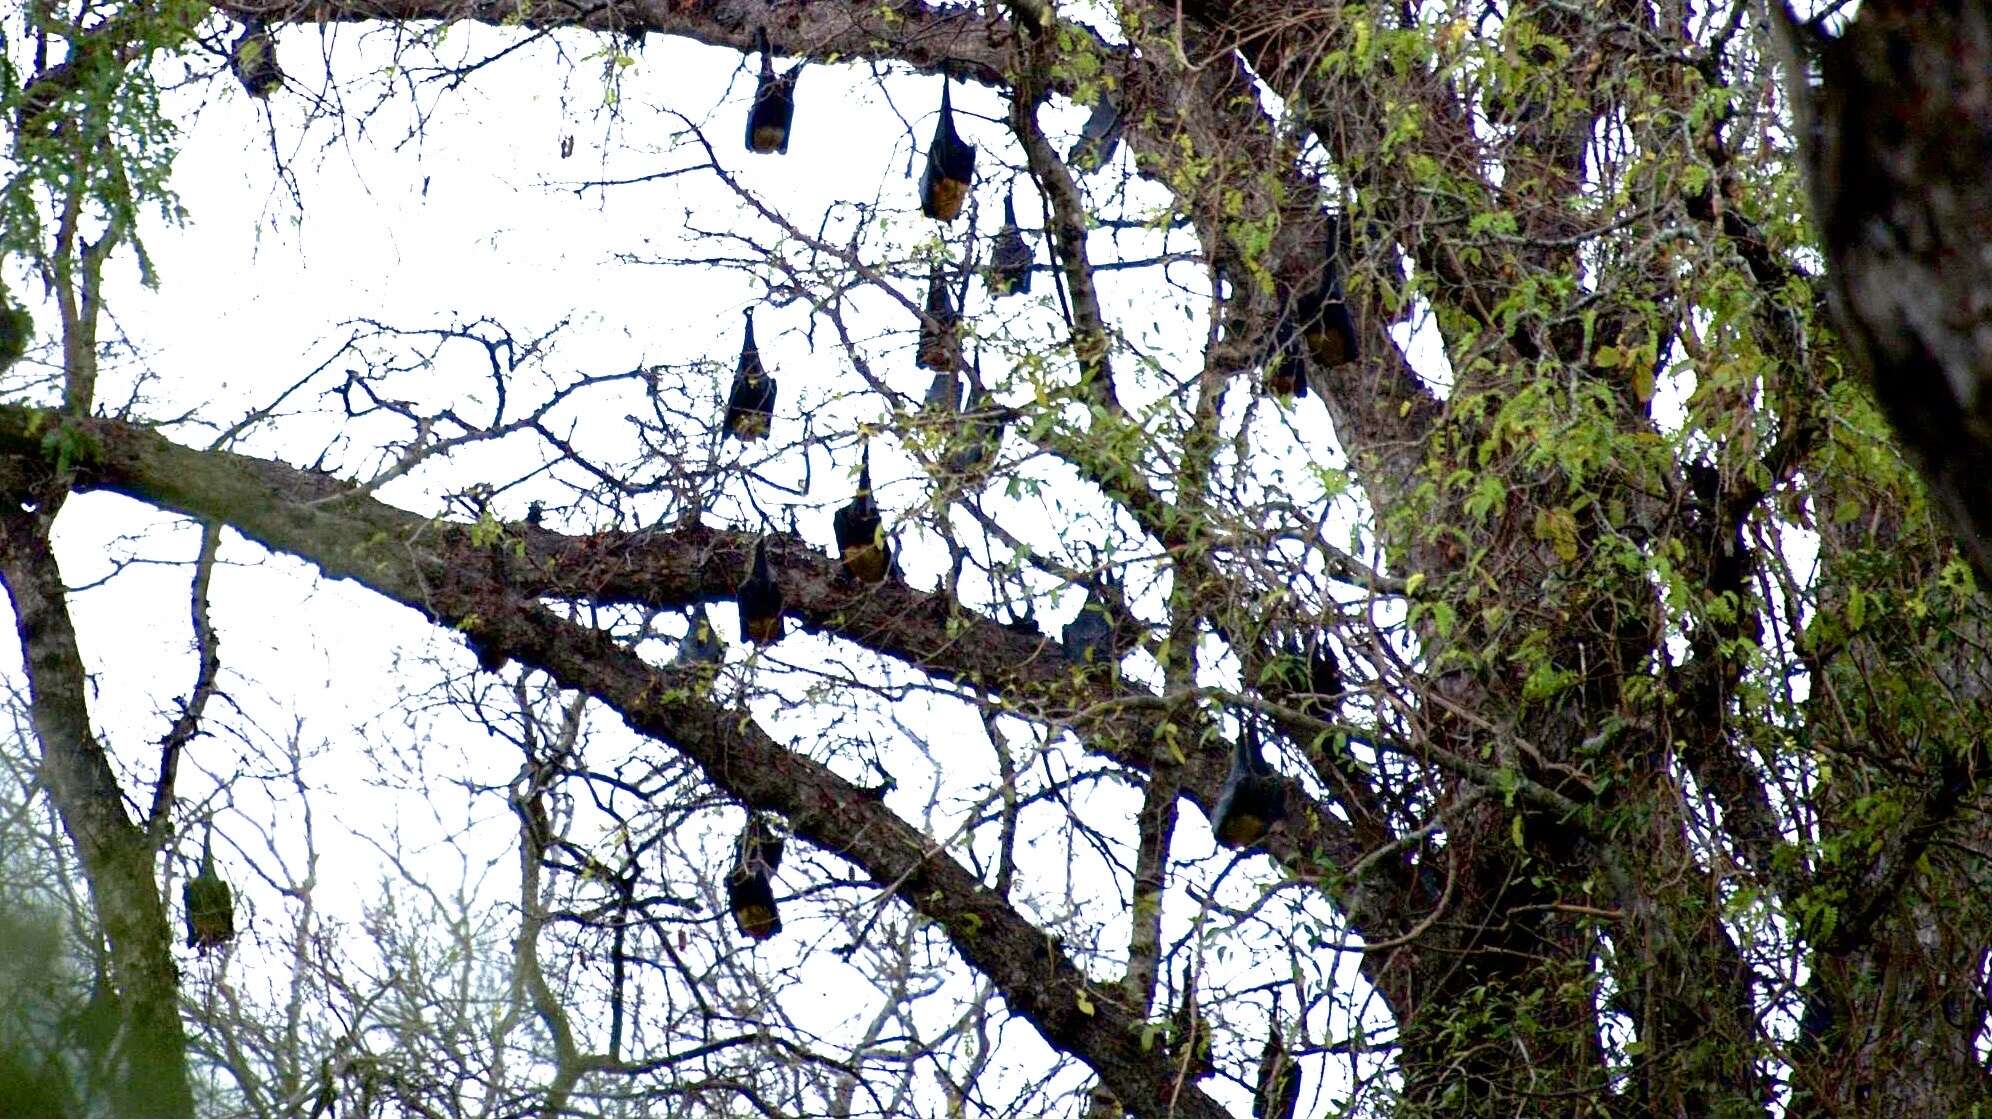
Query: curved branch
{"points": [[326, 521], [433, 568]]}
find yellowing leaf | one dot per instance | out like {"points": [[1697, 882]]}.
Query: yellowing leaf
{"points": [[1558, 527]]}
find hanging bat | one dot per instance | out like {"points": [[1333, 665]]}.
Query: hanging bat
{"points": [[1325, 322], [950, 167], [1286, 367], [760, 600], [1324, 678], [210, 902], [940, 347], [253, 57], [982, 423], [774, 102], [1009, 256], [1252, 799], [1033, 15], [750, 894], [701, 644], [1088, 637], [860, 532], [944, 393], [1326, 325], [1099, 138], [750, 407]]}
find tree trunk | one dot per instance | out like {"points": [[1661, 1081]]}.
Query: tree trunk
{"points": [[116, 854]]}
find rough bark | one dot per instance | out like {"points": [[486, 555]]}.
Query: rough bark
{"points": [[1900, 136], [115, 850], [439, 572]]}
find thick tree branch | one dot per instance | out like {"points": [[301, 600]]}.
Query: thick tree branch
{"points": [[433, 568], [920, 35], [1899, 137], [321, 519]]}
